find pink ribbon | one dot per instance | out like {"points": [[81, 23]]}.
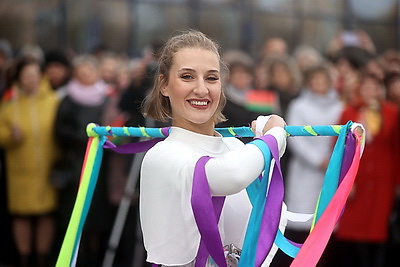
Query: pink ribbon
{"points": [[316, 242]]}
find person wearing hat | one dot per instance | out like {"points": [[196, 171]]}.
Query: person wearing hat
{"points": [[57, 69]]}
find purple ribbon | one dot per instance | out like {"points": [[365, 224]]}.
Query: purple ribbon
{"points": [[132, 148], [207, 211], [349, 150], [273, 205]]}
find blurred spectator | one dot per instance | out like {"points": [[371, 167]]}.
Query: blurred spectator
{"points": [[117, 167], [349, 61], [124, 75], [307, 56], [363, 228], [109, 65], [84, 103], [57, 69], [99, 50], [32, 50], [142, 80], [374, 66], [350, 38], [317, 104], [6, 57], [392, 86], [274, 47], [112, 115], [390, 60], [238, 86], [282, 76], [351, 51], [27, 117]]}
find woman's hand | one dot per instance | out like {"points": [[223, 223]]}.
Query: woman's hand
{"points": [[265, 123]]}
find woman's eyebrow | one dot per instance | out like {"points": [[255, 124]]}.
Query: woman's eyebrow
{"points": [[185, 69], [214, 71]]}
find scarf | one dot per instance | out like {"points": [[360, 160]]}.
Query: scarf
{"points": [[87, 95]]}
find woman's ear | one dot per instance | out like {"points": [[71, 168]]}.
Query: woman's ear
{"points": [[164, 91], [163, 88]]}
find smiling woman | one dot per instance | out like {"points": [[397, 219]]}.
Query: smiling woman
{"points": [[194, 89], [191, 59], [188, 90]]}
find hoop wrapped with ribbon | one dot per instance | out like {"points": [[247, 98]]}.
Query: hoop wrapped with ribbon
{"points": [[265, 194]]}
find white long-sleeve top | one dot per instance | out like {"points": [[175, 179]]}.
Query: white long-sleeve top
{"points": [[305, 177], [169, 229]]}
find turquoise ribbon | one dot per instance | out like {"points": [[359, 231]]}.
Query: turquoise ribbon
{"points": [[256, 192], [331, 180]]}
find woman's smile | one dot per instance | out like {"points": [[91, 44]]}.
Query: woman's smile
{"points": [[200, 104]]}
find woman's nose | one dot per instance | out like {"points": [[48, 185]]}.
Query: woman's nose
{"points": [[201, 88]]}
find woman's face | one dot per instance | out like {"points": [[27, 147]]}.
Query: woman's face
{"points": [[370, 91], [194, 89], [281, 77], [109, 70], [30, 78], [57, 73], [240, 78], [319, 83], [87, 74]]}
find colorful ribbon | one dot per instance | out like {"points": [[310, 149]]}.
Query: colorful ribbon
{"points": [[319, 130], [88, 180], [257, 192], [332, 175], [207, 211], [273, 204], [264, 218], [315, 244]]}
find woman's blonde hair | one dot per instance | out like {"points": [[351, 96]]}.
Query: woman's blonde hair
{"points": [[157, 106]]}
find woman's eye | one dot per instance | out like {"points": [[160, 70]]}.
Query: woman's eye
{"points": [[187, 77], [213, 78]]}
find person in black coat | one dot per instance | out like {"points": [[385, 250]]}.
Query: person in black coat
{"points": [[85, 100]]}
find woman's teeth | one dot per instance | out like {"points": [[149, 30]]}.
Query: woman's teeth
{"points": [[199, 103]]}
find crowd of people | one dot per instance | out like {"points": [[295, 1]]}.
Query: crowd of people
{"points": [[49, 97]]}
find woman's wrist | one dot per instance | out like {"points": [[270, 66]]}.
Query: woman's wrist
{"points": [[279, 134]]}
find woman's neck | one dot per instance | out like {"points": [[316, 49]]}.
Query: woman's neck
{"points": [[205, 128]]}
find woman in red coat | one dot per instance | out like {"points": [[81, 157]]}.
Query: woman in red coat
{"points": [[363, 228]]}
